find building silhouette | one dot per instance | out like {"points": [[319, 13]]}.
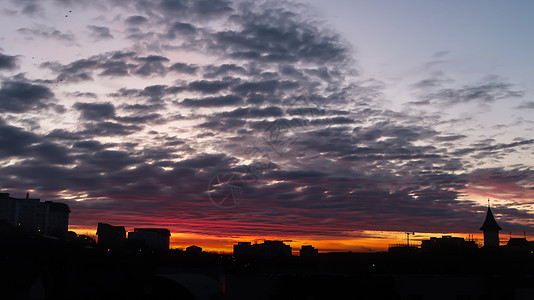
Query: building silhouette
{"points": [[110, 236], [447, 244], [308, 251], [32, 215], [491, 230], [518, 245], [266, 250], [151, 238]]}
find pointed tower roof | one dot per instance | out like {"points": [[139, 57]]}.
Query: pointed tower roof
{"points": [[489, 222]]}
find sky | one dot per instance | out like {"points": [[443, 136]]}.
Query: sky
{"points": [[341, 124]]}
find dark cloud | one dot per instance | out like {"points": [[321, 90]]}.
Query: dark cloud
{"points": [[139, 119], [208, 87], [510, 184], [15, 141], [526, 105], [109, 129], [205, 161], [116, 68], [111, 160], [44, 31], [213, 101], [136, 20], [253, 112], [211, 7], [113, 64], [83, 95], [487, 148], [180, 29], [51, 153], [279, 84], [174, 5], [77, 71], [150, 65], [274, 35], [90, 145], [61, 134], [184, 68], [505, 146], [30, 7], [269, 87], [20, 96], [99, 32], [8, 62], [212, 71], [449, 138], [95, 111], [223, 125], [485, 92]]}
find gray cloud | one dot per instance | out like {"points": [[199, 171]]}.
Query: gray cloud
{"points": [[136, 20], [44, 31], [208, 87], [99, 32], [8, 62], [20, 96], [213, 101], [15, 141], [354, 165], [526, 105], [485, 92], [95, 111], [184, 68], [181, 29]]}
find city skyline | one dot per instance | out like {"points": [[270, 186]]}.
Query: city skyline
{"points": [[340, 125]]}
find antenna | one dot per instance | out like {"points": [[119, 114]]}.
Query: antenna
{"points": [[408, 238]]}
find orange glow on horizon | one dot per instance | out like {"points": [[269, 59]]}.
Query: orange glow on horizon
{"points": [[369, 241]]}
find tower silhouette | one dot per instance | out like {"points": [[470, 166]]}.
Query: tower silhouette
{"points": [[491, 230]]}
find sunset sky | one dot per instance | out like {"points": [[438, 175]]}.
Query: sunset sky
{"points": [[341, 124]]}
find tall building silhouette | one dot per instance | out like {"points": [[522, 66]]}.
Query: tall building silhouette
{"points": [[152, 238], [110, 236], [491, 230], [47, 218]]}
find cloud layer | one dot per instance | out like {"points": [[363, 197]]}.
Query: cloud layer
{"points": [[191, 90]]}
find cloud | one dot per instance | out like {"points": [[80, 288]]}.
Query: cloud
{"points": [[180, 29], [99, 32], [212, 71], [253, 112], [208, 87], [95, 111], [30, 7], [486, 92], [218, 101], [526, 105], [48, 32], [8, 62], [109, 129], [20, 96], [259, 90], [15, 141], [487, 149], [136, 20], [152, 64]]}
